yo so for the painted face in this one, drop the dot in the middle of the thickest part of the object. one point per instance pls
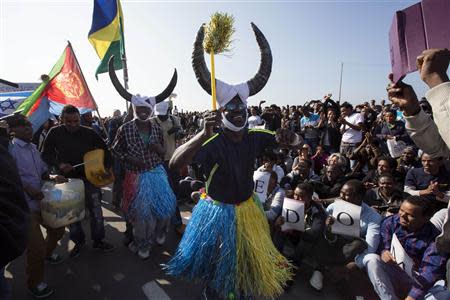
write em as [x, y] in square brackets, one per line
[235, 112]
[71, 121]
[143, 112]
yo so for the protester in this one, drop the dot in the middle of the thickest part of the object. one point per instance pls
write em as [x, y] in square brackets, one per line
[64, 148]
[33, 171]
[415, 233]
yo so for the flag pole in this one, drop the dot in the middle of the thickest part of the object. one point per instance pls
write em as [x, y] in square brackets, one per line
[340, 81]
[124, 58]
[87, 87]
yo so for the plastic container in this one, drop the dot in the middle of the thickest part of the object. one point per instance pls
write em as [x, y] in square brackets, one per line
[63, 203]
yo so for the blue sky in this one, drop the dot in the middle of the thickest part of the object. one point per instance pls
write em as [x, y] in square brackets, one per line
[309, 40]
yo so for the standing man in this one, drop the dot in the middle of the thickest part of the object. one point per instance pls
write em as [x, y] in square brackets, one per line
[33, 171]
[170, 128]
[65, 147]
[351, 129]
[114, 124]
[309, 127]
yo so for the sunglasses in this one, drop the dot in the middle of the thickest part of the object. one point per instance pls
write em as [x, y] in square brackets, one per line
[234, 106]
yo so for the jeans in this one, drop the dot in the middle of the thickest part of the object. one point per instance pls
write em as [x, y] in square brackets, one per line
[391, 282]
[93, 198]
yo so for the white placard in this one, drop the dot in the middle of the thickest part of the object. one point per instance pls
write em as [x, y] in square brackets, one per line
[293, 214]
[346, 218]
[261, 180]
[401, 257]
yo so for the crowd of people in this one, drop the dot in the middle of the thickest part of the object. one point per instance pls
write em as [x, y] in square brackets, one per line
[388, 158]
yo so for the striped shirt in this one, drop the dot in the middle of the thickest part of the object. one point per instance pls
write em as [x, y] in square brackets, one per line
[421, 247]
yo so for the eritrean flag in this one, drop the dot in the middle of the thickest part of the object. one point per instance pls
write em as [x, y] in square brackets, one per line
[106, 34]
[64, 85]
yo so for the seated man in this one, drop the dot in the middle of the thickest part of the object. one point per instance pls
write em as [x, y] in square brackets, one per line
[275, 197]
[344, 253]
[304, 241]
[331, 182]
[270, 164]
[385, 164]
[408, 161]
[431, 181]
[416, 234]
[386, 197]
[301, 173]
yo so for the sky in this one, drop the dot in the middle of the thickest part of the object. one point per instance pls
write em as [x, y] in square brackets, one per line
[309, 41]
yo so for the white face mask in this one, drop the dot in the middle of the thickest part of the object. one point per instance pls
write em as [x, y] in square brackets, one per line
[231, 126]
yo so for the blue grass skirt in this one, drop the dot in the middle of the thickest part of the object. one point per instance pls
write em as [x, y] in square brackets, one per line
[154, 196]
[229, 248]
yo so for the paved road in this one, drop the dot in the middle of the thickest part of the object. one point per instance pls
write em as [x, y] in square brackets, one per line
[122, 275]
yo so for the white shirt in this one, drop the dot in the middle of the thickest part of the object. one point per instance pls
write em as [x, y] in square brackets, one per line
[351, 135]
[254, 121]
[277, 169]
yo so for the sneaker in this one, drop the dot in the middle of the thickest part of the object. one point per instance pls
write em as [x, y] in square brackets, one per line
[77, 249]
[132, 247]
[54, 259]
[144, 254]
[104, 246]
[41, 291]
[161, 239]
[316, 280]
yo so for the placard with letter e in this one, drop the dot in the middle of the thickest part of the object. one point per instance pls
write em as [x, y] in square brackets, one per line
[294, 215]
[401, 257]
[261, 180]
[346, 218]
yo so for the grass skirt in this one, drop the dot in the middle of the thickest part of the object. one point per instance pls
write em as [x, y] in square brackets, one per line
[153, 196]
[229, 247]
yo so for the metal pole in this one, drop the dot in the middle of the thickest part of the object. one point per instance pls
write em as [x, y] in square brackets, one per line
[340, 81]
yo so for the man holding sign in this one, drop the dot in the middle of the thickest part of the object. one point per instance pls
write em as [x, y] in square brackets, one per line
[406, 238]
[302, 222]
[352, 234]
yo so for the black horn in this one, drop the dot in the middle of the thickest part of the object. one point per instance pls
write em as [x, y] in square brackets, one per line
[115, 81]
[198, 62]
[265, 67]
[169, 89]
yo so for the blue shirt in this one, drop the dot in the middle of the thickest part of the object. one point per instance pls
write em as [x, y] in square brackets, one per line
[30, 166]
[312, 120]
[421, 247]
[369, 223]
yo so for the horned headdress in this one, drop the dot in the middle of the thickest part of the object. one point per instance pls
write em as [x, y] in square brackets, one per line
[137, 99]
[226, 92]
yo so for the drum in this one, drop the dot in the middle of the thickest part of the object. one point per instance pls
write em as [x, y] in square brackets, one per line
[63, 203]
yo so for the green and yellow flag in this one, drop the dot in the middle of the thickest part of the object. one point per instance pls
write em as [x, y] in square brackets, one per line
[106, 34]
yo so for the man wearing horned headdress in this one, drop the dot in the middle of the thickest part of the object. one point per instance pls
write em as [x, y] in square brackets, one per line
[227, 243]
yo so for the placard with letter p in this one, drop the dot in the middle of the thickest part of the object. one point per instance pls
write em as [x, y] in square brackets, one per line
[261, 180]
[346, 218]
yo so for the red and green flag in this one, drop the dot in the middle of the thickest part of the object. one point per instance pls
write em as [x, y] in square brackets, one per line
[64, 85]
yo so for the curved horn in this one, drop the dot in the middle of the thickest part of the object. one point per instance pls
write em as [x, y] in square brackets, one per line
[169, 89]
[198, 62]
[115, 81]
[265, 66]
